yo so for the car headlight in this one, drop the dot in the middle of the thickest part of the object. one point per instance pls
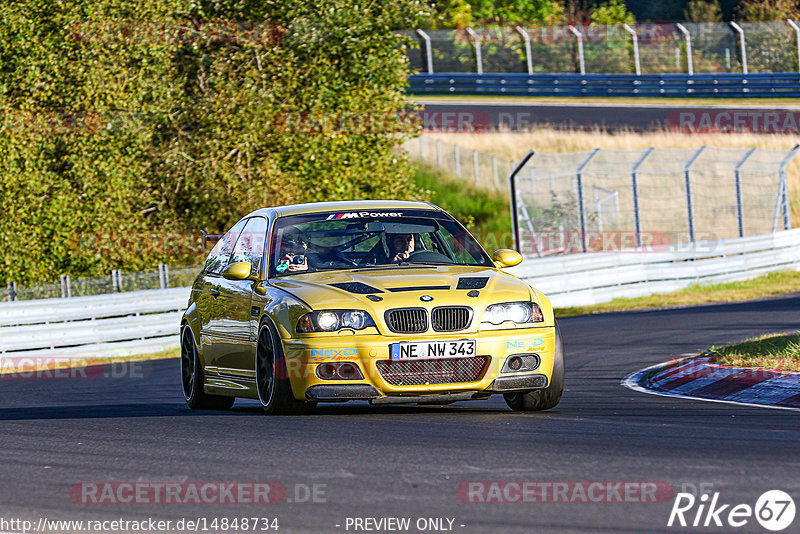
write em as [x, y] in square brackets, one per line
[332, 320]
[516, 312]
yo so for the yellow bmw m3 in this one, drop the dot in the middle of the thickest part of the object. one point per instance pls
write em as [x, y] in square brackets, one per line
[380, 301]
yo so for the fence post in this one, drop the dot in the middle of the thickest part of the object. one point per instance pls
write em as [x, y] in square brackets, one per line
[579, 37]
[635, 39]
[687, 169]
[439, 153]
[494, 170]
[478, 57]
[12, 291]
[512, 194]
[475, 165]
[457, 153]
[428, 54]
[162, 279]
[66, 290]
[637, 221]
[742, 46]
[528, 53]
[738, 179]
[796, 29]
[422, 148]
[581, 207]
[688, 37]
[115, 281]
[787, 214]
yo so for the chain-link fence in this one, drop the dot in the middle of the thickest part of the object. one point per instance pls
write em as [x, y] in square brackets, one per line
[471, 166]
[118, 281]
[647, 48]
[617, 199]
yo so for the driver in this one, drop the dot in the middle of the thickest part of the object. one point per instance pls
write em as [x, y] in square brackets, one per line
[402, 246]
[293, 254]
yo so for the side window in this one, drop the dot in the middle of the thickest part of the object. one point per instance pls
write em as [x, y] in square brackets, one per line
[218, 259]
[250, 246]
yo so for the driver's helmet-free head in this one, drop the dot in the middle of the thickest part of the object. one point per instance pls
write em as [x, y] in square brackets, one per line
[400, 242]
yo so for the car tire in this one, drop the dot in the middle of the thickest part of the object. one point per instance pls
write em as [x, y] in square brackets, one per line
[272, 380]
[546, 398]
[192, 378]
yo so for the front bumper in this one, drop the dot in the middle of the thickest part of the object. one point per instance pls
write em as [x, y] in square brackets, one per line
[303, 355]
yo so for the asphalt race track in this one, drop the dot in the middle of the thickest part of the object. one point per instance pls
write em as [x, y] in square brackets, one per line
[625, 115]
[408, 461]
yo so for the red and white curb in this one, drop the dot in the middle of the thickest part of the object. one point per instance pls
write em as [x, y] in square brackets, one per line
[698, 378]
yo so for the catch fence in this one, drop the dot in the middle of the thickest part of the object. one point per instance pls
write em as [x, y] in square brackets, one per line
[605, 199]
[646, 48]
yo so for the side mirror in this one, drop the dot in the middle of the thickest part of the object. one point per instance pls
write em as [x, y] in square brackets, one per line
[238, 271]
[505, 257]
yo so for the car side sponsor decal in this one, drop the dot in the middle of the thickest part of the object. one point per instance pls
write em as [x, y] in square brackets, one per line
[323, 355]
[524, 344]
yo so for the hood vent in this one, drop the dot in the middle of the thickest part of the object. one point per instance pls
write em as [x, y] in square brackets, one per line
[478, 282]
[416, 288]
[356, 287]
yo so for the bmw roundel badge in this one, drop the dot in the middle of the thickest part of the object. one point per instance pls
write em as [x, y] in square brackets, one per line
[426, 298]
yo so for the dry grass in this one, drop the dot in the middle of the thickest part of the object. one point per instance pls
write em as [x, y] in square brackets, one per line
[772, 351]
[771, 284]
[514, 145]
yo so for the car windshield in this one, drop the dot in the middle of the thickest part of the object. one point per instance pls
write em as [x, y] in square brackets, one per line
[351, 240]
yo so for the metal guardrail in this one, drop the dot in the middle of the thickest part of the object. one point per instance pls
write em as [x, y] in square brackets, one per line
[100, 325]
[584, 279]
[782, 84]
[148, 321]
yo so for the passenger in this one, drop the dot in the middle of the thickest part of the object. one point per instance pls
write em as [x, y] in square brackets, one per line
[293, 256]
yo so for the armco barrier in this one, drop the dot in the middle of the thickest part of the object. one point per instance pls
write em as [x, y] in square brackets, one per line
[101, 325]
[778, 84]
[583, 279]
[148, 321]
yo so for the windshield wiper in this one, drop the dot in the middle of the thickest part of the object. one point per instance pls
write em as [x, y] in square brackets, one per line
[404, 265]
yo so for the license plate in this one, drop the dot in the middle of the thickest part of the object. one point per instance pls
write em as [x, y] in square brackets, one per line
[427, 350]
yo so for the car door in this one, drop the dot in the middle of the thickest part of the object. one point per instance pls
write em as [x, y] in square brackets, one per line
[207, 300]
[234, 353]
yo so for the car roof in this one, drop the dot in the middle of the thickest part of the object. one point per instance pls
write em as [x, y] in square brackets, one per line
[349, 205]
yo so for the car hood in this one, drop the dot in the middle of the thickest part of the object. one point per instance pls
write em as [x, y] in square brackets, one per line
[404, 286]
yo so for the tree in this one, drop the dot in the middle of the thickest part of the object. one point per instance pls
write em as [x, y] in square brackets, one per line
[767, 10]
[124, 122]
[703, 11]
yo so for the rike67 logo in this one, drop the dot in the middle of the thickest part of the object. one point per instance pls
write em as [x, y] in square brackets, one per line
[774, 510]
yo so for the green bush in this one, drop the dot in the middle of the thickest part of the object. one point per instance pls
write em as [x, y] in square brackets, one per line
[126, 121]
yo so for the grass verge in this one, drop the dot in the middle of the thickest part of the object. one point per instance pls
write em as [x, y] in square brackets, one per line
[771, 284]
[25, 366]
[771, 351]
